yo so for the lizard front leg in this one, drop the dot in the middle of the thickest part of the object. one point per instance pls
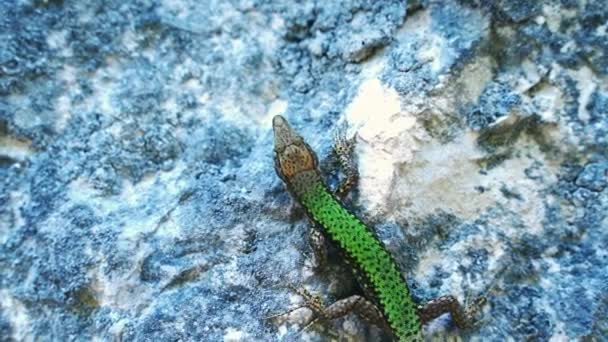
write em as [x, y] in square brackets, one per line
[344, 150]
[318, 246]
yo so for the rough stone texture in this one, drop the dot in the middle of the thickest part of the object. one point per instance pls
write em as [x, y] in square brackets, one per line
[138, 198]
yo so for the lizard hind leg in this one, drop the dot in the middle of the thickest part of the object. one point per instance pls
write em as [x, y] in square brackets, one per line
[318, 246]
[356, 304]
[311, 302]
[344, 149]
[464, 317]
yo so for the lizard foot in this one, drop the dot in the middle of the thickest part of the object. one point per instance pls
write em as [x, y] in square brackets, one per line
[312, 302]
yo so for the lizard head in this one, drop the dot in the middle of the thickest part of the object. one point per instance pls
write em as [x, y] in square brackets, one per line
[291, 154]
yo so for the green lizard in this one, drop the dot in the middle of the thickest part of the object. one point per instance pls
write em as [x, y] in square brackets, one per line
[387, 301]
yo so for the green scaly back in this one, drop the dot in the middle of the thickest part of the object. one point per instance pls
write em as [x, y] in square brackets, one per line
[296, 164]
[360, 245]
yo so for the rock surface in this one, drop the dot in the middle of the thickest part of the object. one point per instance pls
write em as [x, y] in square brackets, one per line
[138, 199]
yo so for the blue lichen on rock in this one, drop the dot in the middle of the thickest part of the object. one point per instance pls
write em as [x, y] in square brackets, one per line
[138, 199]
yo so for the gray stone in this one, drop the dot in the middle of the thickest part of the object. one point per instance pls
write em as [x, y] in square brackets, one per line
[138, 199]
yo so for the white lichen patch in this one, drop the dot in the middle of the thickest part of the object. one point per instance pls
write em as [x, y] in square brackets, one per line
[385, 137]
[553, 15]
[435, 46]
[24, 117]
[136, 196]
[418, 22]
[461, 285]
[586, 84]
[17, 315]
[601, 30]
[373, 66]
[116, 330]
[447, 177]
[437, 177]
[471, 81]
[63, 106]
[130, 40]
[15, 149]
[234, 335]
[103, 82]
[17, 199]
[122, 290]
[531, 206]
[431, 52]
[532, 73]
[229, 274]
[276, 107]
[57, 40]
[234, 238]
[560, 330]
[548, 101]
[405, 173]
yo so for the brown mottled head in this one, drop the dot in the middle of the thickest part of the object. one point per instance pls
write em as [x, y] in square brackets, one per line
[291, 154]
